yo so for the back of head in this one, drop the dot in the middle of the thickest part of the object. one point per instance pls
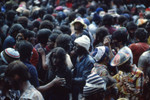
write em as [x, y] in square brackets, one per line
[144, 61]
[10, 15]
[48, 17]
[43, 35]
[14, 30]
[107, 20]
[25, 49]
[101, 33]
[65, 29]
[120, 36]
[46, 24]
[121, 19]
[23, 21]
[131, 26]
[63, 40]
[18, 68]
[141, 34]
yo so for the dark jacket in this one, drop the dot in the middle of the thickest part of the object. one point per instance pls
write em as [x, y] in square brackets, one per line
[82, 70]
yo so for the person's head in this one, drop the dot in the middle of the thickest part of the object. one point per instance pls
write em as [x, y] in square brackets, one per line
[101, 54]
[57, 31]
[78, 24]
[65, 29]
[96, 18]
[25, 49]
[64, 41]
[107, 20]
[42, 12]
[82, 45]
[2, 19]
[14, 30]
[31, 37]
[144, 61]
[119, 38]
[94, 88]
[17, 73]
[121, 20]
[46, 24]
[43, 35]
[82, 11]
[10, 15]
[58, 58]
[48, 17]
[23, 21]
[51, 40]
[131, 27]
[141, 35]
[9, 55]
[101, 32]
[22, 35]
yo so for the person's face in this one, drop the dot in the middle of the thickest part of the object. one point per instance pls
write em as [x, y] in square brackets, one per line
[19, 37]
[78, 49]
[78, 26]
[55, 60]
[15, 82]
[50, 44]
[69, 46]
[32, 40]
[124, 67]
[131, 32]
[115, 45]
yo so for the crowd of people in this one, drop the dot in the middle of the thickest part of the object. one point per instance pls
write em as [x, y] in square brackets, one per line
[74, 50]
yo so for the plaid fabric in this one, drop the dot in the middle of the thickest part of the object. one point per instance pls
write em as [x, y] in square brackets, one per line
[135, 80]
[100, 69]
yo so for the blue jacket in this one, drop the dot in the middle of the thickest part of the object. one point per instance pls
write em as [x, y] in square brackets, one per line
[82, 70]
[33, 72]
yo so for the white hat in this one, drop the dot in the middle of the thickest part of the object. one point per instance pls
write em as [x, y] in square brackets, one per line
[80, 20]
[83, 41]
[8, 55]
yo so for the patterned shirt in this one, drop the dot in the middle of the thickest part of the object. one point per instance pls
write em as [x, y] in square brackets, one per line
[100, 69]
[31, 93]
[134, 79]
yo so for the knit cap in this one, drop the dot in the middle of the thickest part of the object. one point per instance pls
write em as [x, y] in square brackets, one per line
[8, 55]
[83, 41]
[94, 84]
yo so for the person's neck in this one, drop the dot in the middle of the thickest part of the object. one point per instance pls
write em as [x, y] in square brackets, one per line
[25, 85]
[78, 32]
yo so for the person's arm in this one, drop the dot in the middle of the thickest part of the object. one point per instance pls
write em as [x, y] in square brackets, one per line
[56, 81]
[85, 73]
[106, 42]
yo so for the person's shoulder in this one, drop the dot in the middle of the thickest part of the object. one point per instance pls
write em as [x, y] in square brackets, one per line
[31, 94]
[90, 58]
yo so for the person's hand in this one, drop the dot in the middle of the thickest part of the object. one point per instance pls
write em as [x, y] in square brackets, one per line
[129, 87]
[41, 51]
[106, 41]
[59, 81]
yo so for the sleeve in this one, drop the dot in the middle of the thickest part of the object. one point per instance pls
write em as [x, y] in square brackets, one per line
[34, 77]
[139, 84]
[35, 57]
[85, 73]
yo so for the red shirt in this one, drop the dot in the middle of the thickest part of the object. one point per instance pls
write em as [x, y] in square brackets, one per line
[137, 50]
